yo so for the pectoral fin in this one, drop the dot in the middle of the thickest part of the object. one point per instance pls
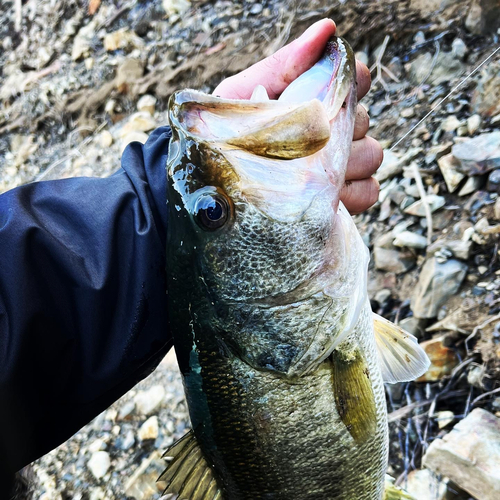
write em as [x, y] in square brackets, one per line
[401, 358]
[188, 474]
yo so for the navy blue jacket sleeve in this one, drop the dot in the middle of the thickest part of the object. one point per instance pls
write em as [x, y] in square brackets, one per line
[82, 298]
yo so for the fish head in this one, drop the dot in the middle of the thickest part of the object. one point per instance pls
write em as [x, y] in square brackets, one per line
[255, 219]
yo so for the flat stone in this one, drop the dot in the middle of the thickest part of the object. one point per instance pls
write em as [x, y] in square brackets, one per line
[452, 177]
[470, 455]
[436, 284]
[446, 68]
[478, 155]
[392, 260]
[434, 201]
[443, 360]
[445, 418]
[99, 464]
[149, 401]
[122, 39]
[450, 123]
[126, 411]
[415, 326]
[149, 429]
[410, 240]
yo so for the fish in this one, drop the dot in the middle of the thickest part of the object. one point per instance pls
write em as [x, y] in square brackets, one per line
[283, 361]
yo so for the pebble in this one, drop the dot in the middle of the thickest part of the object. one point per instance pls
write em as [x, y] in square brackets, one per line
[493, 185]
[141, 137]
[450, 123]
[149, 401]
[445, 418]
[473, 123]
[141, 121]
[470, 455]
[497, 209]
[126, 410]
[147, 103]
[436, 284]
[99, 464]
[472, 184]
[149, 429]
[105, 139]
[422, 484]
[256, 9]
[459, 49]
[448, 166]
[97, 445]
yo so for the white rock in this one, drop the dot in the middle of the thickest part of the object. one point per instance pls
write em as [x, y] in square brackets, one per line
[450, 123]
[444, 418]
[424, 485]
[472, 184]
[149, 401]
[391, 166]
[147, 103]
[448, 166]
[459, 48]
[97, 445]
[473, 123]
[99, 464]
[434, 201]
[410, 240]
[149, 429]
[470, 455]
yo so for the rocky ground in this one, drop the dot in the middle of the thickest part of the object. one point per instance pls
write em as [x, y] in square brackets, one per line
[80, 80]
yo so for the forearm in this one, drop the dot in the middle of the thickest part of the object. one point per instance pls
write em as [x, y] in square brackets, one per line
[82, 298]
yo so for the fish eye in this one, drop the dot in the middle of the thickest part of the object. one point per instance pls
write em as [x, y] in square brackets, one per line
[211, 211]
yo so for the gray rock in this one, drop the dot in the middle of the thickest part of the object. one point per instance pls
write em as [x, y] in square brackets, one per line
[126, 410]
[127, 441]
[447, 67]
[460, 249]
[256, 9]
[478, 155]
[483, 17]
[436, 284]
[494, 182]
[392, 260]
[149, 401]
[470, 455]
[486, 97]
[99, 464]
[415, 326]
[382, 295]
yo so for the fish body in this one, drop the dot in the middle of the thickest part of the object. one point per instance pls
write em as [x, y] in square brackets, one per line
[268, 304]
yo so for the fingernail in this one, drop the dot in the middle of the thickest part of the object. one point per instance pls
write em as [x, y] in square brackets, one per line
[313, 31]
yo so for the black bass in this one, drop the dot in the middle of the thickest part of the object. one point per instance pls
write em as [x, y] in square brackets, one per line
[268, 304]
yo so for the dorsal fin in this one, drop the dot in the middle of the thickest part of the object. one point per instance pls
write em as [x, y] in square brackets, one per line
[188, 474]
[401, 358]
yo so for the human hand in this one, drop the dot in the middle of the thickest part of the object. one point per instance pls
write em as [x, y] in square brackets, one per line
[276, 72]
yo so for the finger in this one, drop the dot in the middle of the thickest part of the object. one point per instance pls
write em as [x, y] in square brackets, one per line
[358, 196]
[277, 71]
[363, 79]
[366, 157]
[361, 123]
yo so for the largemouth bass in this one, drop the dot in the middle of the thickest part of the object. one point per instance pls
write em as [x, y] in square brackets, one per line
[267, 283]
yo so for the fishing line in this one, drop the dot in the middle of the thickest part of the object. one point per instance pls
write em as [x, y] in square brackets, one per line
[452, 91]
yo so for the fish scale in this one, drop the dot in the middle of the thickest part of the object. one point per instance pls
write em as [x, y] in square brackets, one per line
[267, 297]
